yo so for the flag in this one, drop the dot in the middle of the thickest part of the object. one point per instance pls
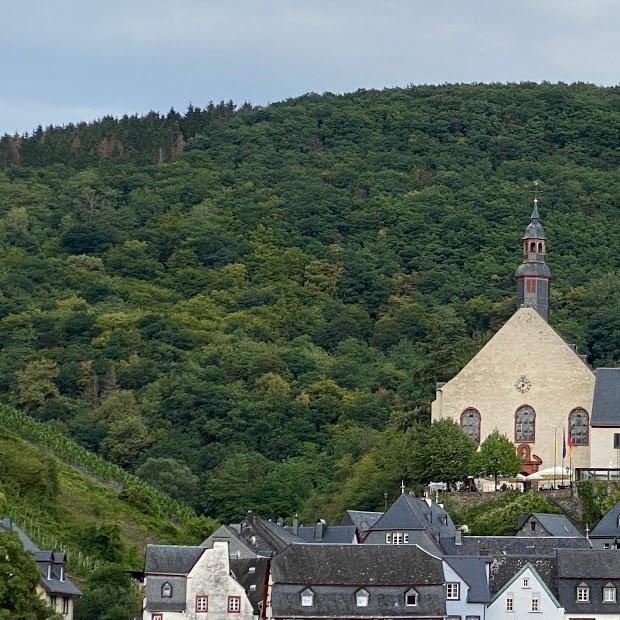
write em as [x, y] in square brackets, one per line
[563, 444]
[570, 446]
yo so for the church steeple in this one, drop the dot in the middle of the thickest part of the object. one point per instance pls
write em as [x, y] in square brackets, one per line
[533, 275]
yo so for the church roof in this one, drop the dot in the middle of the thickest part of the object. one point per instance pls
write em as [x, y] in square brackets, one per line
[608, 526]
[532, 268]
[605, 407]
[534, 229]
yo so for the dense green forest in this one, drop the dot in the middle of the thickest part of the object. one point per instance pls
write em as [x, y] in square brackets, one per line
[266, 296]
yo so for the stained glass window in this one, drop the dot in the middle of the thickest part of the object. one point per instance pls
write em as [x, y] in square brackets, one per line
[525, 424]
[578, 427]
[470, 423]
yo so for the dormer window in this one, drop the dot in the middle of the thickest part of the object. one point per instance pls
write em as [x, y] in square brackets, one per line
[361, 598]
[453, 591]
[618, 521]
[609, 593]
[49, 571]
[583, 593]
[252, 570]
[307, 598]
[166, 590]
[411, 598]
[62, 573]
[396, 538]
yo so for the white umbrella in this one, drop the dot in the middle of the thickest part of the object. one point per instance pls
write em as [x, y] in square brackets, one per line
[550, 473]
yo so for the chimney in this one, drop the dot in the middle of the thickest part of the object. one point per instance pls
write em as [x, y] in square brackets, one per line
[295, 528]
[458, 538]
[280, 521]
[319, 529]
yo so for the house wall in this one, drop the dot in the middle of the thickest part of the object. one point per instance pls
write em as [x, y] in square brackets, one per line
[559, 382]
[604, 454]
[461, 607]
[58, 607]
[211, 576]
[522, 601]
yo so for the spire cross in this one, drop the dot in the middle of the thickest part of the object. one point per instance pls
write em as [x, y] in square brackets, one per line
[536, 191]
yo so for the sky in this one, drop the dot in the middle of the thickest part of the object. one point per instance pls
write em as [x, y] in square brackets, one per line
[66, 61]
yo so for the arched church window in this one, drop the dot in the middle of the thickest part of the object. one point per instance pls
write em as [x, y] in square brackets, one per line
[533, 246]
[166, 590]
[579, 427]
[525, 424]
[540, 248]
[470, 423]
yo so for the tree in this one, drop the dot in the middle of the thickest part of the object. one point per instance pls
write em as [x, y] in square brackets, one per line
[497, 457]
[35, 382]
[171, 477]
[19, 577]
[440, 452]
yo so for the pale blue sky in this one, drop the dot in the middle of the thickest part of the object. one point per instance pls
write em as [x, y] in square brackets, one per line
[72, 60]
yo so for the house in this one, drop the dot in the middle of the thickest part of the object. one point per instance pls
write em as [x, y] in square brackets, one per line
[523, 587]
[413, 520]
[357, 581]
[55, 587]
[467, 586]
[544, 524]
[182, 582]
[606, 534]
[588, 582]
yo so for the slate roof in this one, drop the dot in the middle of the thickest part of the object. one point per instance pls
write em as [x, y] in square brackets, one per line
[362, 519]
[607, 527]
[237, 545]
[331, 534]
[588, 564]
[534, 229]
[361, 565]
[504, 568]
[414, 513]
[55, 586]
[555, 525]
[606, 403]
[534, 268]
[472, 570]
[515, 545]
[7, 524]
[241, 570]
[154, 600]
[171, 559]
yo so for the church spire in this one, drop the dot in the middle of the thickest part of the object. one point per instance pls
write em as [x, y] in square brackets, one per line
[533, 275]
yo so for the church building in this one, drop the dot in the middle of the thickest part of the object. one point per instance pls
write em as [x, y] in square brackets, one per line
[532, 386]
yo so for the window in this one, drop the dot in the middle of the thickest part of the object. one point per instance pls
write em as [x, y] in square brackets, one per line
[53, 602]
[472, 617]
[252, 570]
[583, 593]
[65, 605]
[361, 598]
[202, 602]
[453, 591]
[411, 598]
[609, 593]
[532, 525]
[526, 582]
[62, 573]
[535, 606]
[307, 598]
[166, 590]
[525, 420]
[388, 538]
[396, 538]
[234, 604]
[510, 602]
[49, 571]
[578, 427]
[606, 545]
[157, 616]
[531, 285]
[470, 424]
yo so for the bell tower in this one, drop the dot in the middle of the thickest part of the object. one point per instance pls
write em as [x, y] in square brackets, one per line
[533, 275]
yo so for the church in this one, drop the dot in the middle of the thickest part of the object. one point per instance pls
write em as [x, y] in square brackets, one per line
[532, 386]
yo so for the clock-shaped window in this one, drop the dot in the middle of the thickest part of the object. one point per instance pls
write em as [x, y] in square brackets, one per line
[470, 423]
[525, 424]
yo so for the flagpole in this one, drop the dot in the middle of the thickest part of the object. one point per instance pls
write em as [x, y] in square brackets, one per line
[555, 454]
[563, 454]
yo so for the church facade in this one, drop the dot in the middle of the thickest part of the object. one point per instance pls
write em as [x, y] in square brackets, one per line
[532, 386]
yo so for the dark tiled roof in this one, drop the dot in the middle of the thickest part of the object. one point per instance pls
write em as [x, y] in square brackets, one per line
[154, 600]
[328, 534]
[534, 229]
[557, 525]
[171, 559]
[7, 524]
[55, 586]
[362, 519]
[515, 545]
[472, 571]
[607, 527]
[606, 404]
[504, 568]
[589, 564]
[414, 513]
[356, 565]
[242, 571]
[237, 546]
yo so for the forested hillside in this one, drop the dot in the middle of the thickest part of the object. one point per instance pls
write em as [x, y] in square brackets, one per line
[267, 296]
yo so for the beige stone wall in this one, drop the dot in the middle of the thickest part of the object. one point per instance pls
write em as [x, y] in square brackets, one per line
[525, 346]
[604, 454]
